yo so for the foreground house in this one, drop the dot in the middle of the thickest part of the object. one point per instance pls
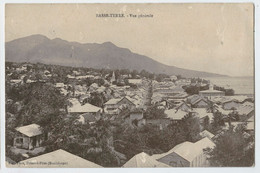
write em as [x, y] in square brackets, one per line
[187, 154]
[29, 137]
[143, 160]
[58, 159]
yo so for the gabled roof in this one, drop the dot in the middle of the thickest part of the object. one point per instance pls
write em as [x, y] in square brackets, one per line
[135, 81]
[175, 114]
[206, 133]
[143, 160]
[66, 160]
[86, 108]
[244, 109]
[182, 149]
[202, 112]
[223, 111]
[116, 101]
[112, 101]
[194, 98]
[223, 99]
[231, 100]
[198, 100]
[30, 130]
[187, 150]
[183, 103]
[250, 125]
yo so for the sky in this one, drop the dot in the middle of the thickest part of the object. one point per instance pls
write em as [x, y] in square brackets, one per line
[215, 38]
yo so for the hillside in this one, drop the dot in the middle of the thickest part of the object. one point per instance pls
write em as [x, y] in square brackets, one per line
[38, 48]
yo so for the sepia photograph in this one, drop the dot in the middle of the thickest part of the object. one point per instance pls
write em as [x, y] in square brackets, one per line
[123, 85]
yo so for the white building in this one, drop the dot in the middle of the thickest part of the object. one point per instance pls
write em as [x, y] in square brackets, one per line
[58, 159]
[143, 160]
[187, 154]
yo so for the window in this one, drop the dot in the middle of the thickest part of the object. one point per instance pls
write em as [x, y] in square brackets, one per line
[19, 140]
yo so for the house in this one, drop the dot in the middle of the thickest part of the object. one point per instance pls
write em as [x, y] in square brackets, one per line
[202, 113]
[113, 106]
[16, 81]
[187, 154]
[57, 159]
[87, 113]
[85, 77]
[29, 137]
[59, 85]
[211, 92]
[184, 107]
[143, 160]
[182, 82]
[136, 118]
[245, 112]
[173, 77]
[70, 76]
[136, 114]
[175, 114]
[197, 101]
[229, 104]
[206, 133]
[221, 110]
[180, 96]
[250, 127]
[93, 87]
[135, 81]
[200, 103]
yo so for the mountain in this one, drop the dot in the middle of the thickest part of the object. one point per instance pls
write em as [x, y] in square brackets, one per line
[38, 48]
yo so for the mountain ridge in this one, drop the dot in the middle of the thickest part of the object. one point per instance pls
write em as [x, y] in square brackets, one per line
[39, 48]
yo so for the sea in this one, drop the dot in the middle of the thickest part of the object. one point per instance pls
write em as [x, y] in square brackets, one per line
[241, 85]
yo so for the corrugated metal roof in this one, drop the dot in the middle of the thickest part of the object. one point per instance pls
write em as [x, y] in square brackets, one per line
[188, 150]
[143, 160]
[61, 156]
[30, 130]
[83, 108]
[175, 114]
[112, 101]
[206, 133]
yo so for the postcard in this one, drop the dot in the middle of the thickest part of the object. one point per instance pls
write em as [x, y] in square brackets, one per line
[129, 85]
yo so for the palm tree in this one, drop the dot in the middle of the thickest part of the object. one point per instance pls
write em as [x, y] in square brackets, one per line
[231, 116]
[211, 107]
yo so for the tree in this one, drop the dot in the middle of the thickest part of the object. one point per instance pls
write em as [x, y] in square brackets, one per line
[232, 150]
[211, 107]
[232, 116]
[97, 99]
[84, 140]
[190, 125]
[153, 112]
[40, 103]
[218, 121]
